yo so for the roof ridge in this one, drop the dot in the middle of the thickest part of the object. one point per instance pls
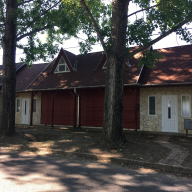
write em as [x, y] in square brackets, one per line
[179, 46]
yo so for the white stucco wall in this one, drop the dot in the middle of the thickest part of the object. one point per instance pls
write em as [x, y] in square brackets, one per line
[154, 123]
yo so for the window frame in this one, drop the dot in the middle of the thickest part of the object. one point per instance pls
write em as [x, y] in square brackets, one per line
[35, 106]
[62, 64]
[182, 105]
[105, 67]
[149, 106]
[19, 105]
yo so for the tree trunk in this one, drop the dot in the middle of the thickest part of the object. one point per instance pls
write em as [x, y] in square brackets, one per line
[113, 107]
[7, 118]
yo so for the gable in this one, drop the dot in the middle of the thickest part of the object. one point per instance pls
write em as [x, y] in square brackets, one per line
[62, 63]
[62, 66]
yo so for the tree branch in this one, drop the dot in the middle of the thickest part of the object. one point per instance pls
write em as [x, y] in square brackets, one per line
[32, 32]
[50, 8]
[143, 10]
[22, 3]
[94, 24]
[159, 38]
[2, 12]
[39, 16]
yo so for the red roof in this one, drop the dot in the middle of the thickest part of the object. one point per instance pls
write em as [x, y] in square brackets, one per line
[175, 67]
[18, 67]
[87, 73]
[27, 75]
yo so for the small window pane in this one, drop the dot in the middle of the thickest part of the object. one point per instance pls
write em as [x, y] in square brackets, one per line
[34, 105]
[67, 68]
[152, 105]
[18, 106]
[25, 107]
[105, 65]
[61, 67]
[57, 69]
[186, 111]
[62, 61]
[169, 108]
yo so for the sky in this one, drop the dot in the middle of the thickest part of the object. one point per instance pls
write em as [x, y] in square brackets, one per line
[73, 46]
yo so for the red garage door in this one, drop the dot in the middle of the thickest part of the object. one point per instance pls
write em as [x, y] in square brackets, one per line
[62, 107]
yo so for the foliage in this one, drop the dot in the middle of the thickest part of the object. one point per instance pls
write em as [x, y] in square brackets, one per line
[149, 58]
[160, 16]
[57, 20]
[60, 19]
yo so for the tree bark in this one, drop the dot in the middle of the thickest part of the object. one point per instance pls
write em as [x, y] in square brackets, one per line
[113, 107]
[7, 117]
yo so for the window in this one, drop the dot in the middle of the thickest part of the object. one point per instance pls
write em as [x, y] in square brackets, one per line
[34, 105]
[18, 105]
[62, 66]
[186, 106]
[169, 108]
[105, 65]
[152, 105]
[128, 63]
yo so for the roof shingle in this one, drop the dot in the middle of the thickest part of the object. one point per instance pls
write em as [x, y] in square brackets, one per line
[27, 75]
[86, 75]
[174, 67]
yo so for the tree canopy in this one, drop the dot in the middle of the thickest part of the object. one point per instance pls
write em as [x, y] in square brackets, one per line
[56, 19]
[163, 16]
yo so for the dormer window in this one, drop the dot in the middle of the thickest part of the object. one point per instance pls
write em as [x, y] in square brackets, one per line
[128, 63]
[62, 66]
[105, 65]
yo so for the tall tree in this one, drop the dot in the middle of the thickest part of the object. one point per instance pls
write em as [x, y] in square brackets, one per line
[167, 16]
[8, 81]
[21, 19]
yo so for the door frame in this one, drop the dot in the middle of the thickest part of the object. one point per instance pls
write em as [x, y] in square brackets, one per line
[176, 113]
[27, 112]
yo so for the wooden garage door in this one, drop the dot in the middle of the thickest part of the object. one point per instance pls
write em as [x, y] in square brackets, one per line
[130, 108]
[92, 107]
[63, 107]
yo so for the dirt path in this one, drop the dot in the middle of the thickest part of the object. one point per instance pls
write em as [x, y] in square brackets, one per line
[177, 154]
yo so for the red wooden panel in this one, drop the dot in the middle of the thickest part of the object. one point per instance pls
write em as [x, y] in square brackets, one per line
[92, 107]
[46, 109]
[129, 108]
[63, 108]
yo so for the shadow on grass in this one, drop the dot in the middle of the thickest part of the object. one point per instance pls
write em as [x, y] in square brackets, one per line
[53, 140]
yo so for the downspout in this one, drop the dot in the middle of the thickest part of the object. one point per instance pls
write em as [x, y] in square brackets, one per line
[77, 107]
[31, 115]
[136, 109]
[52, 111]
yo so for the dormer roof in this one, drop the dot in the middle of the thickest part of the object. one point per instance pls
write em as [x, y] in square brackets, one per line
[68, 57]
